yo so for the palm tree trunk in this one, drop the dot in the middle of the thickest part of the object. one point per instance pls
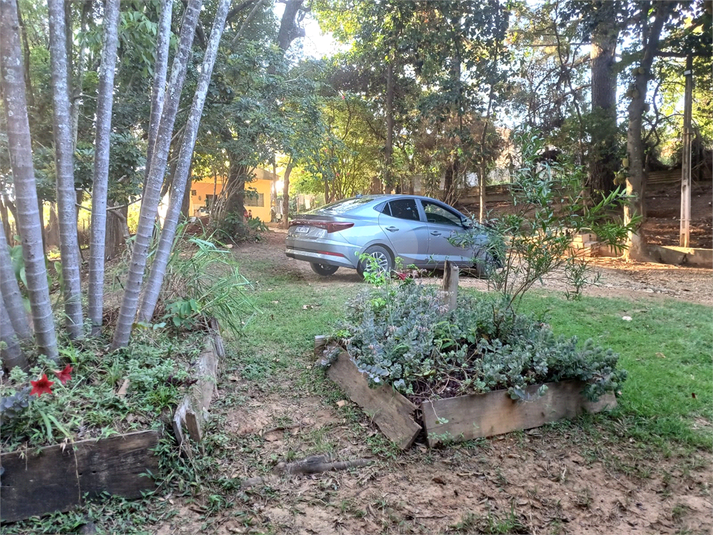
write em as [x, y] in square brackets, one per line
[152, 189]
[20, 149]
[158, 92]
[100, 187]
[64, 159]
[11, 355]
[180, 177]
[10, 292]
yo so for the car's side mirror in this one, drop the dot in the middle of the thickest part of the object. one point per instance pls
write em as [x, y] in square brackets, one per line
[465, 222]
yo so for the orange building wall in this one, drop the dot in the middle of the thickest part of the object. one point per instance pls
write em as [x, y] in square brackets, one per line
[203, 189]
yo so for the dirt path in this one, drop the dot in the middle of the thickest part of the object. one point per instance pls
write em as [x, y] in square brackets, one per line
[617, 277]
[565, 479]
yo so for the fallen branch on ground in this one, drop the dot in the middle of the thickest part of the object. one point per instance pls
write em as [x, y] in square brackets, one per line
[315, 464]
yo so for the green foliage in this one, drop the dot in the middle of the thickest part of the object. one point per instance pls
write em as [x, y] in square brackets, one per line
[204, 280]
[405, 336]
[88, 406]
[550, 208]
[183, 313]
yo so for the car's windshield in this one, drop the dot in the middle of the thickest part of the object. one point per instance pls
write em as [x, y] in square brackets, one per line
[343, 206]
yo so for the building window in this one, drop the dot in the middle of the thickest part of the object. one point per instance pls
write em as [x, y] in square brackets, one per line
[254, 199]
[193, 193]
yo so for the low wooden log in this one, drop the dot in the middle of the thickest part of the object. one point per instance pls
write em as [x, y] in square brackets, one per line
[484, 415]
[190, 416]
[390, 411]
[56, 478]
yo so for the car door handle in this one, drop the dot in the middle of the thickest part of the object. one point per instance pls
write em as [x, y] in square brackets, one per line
[392, 229]
[435, 233]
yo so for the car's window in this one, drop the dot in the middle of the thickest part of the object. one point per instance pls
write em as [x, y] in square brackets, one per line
[383, 208]
[403, 209]
[343, 206]
[435, 213]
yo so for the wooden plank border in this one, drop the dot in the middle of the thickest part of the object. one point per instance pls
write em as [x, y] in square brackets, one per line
[389, 410]
[191, 414]
[56, 478]
[495, 413]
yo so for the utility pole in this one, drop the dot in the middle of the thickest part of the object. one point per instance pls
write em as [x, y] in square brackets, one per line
[685, 234]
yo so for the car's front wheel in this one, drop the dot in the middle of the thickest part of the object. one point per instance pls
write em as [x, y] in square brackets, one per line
[325, 270]
[382, 260]
[485, 265]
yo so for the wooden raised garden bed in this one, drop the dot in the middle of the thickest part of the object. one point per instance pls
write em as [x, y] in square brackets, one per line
[388, 409]
[495, 413]
[56, 478]
[460, 418]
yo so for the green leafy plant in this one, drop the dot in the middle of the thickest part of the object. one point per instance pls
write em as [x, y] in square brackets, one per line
[203, 280]
[550, 208]
[404, 335]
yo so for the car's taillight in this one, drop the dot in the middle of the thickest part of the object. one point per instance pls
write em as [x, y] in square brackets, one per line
[329, 226]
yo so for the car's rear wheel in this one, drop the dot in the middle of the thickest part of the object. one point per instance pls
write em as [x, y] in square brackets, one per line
[325, 270]
[382, 257]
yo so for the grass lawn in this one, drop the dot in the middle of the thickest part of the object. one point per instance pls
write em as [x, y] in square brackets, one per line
[655, 444]
[667, 347]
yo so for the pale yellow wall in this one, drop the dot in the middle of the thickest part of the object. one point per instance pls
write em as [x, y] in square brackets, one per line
[201, 189]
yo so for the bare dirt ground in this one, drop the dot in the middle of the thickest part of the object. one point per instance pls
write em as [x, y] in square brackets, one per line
[561, 479]
[617, 278]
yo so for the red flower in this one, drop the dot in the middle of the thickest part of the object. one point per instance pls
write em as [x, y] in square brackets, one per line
[402, 276]
[41, 386]
[64, 376]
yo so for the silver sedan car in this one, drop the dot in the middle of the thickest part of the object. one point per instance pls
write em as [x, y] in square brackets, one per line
[414, 228]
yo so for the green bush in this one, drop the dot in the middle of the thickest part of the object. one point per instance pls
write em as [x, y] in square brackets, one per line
[405, 336]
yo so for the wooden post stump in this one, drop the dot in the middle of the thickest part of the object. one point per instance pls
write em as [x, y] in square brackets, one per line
[191, 412]
[451, 275]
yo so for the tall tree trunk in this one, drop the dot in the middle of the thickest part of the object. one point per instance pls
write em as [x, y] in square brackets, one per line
[154, 181]
[43, 232]
[26, 60]
[389, 149]
[11, 355]
[289, 31]
[286, 194]
[5, 221]
[20, 149]
[64, 161]
[102, 145]
[636, 242]
[78, 86]
[158, 91]
[52, 232]
[235, 186]
[603, 160]
[180, 178]
[10, 292]
[186, 201]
